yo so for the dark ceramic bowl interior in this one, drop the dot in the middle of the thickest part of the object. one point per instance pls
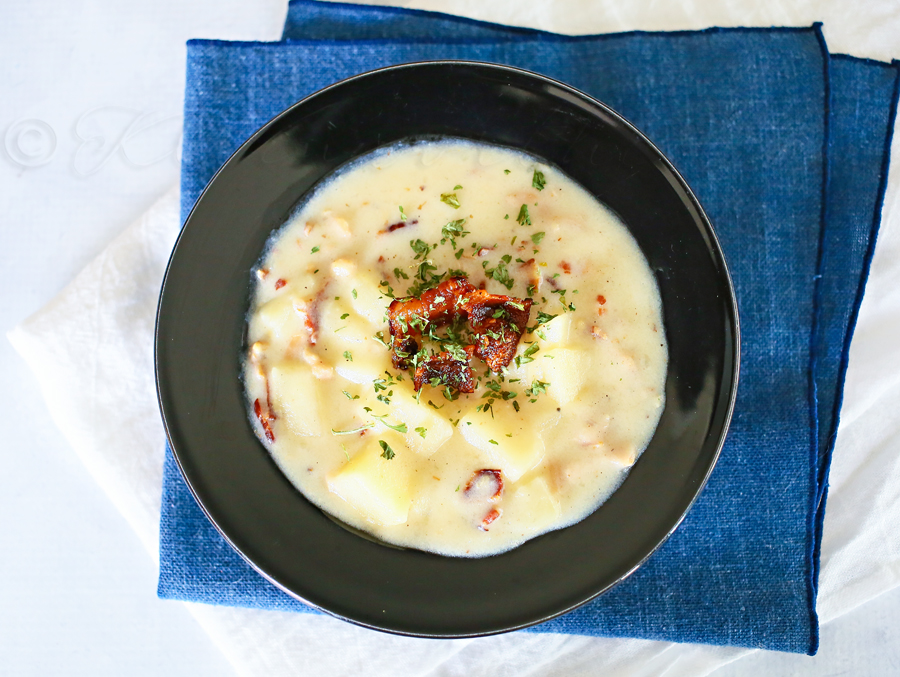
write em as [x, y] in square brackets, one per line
[200, 337]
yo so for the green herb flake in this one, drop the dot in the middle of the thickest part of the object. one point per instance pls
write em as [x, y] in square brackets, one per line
[400, 427]
[314, 250]
[537, 388]
[450, 199]
[348, 356]
[345, 316]
[386, 451]
[538, 181]
[344, 447]
[349, 396]
[506, 171]
[403, 216]
[524, 218]
[422, 431]
[457, 187]
[353, 293]
[494, 442]
[537, 237]
[354, 431]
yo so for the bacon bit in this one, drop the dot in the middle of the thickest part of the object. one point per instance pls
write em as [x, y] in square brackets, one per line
[601, 299]
[598, 333]
[496, 338]
[435, 306]
[279, 283]
[421, 187]
[264, 420]
[490, 517]
[566, 268]
[380, 259]
[451, 371]
[400, 224]
[261, 273]
[484, 251]
[498, 478]
[552, 282]
[534, 274]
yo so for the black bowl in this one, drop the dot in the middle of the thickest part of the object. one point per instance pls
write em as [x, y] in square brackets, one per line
[200, 337]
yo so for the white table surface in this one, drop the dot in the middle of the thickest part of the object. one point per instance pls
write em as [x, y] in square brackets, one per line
[77, 589]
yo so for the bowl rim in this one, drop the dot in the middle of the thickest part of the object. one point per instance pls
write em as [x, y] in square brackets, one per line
[714, 246]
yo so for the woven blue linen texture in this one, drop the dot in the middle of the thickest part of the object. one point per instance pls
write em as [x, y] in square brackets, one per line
[747, 116]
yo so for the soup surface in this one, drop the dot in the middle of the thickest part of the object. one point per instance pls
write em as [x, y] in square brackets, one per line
[425, 271]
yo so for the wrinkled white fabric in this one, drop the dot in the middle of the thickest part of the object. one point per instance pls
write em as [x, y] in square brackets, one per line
[91, 350]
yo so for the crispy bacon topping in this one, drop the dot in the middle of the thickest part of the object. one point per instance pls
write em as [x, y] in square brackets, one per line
[498, 479]
[400, 224]
[265, 419]
[497, 323]
[448, 370]
[490, 517]
[279, 283]
[408, 316]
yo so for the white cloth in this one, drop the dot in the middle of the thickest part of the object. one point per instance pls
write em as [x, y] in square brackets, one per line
[91, 350]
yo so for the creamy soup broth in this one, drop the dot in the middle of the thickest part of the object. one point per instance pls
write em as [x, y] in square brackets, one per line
[536, 447]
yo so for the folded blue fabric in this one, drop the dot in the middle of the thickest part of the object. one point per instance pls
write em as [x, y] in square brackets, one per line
[785, 146]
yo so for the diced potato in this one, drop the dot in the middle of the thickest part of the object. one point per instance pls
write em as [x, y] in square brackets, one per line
[555, 332]
[565, 369]
[369, 301]
[536, 504]
[379, 488]
[295, 396]
[345, 323]
[517, 454]
[365, 367]
[280, 317]
[404, 408]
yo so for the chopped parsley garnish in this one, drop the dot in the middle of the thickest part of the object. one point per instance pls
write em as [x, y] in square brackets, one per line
[506, 171]
[403, 216]
[494, 442]
[544, 318]
[348, 356]
[422, 431]
[537, 388]
[386, 451]
[537, 181]
[499, 273]
[457, 187]
[345, 316]
[314, 250]
[537, 237]
[420, 248]
[353, 293]
[354, 431]
[379, 336]
[349, 396]
[400, 427]
[453, 230]
[450, 199]
[400, 275]
[524, 218]
[528, 355]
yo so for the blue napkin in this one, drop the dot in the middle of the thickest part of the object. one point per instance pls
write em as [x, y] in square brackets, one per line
[787, 149]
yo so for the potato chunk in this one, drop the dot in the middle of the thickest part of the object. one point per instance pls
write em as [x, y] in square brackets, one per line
[564, 369]
[295, 396]
[379, 488]
[537, 505]
[369, 301]
[437, 429]
[512, 441]
[279, 317]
